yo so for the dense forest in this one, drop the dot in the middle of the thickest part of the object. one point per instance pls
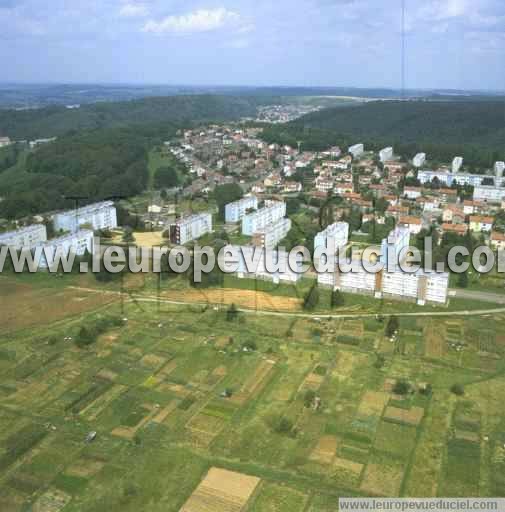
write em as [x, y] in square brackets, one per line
[184, 110]
[101, 150]
[90, 166]
[442, 129]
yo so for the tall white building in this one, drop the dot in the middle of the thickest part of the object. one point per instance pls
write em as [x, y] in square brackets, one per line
[499, 167]
[24, 237]
[97, 216]
[190, 228]
[337, 233]
[456, 164]
[258, 258]
[236, 210]
[253, 222]
[5, 141]
[356, 150]
[271, 235]
[77, 243]
[448, 178]
[419, 160]
[386, 154]
[396, 241]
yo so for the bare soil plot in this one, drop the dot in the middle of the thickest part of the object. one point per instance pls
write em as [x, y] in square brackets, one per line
[325, 449]
[348, 465]
[434, 336]
[249, 299]
[411, 416]
[222, 491]
[152, 361]
[373, 403]
[52, 500]
[148, 238]
[312, 381]
[24, 305]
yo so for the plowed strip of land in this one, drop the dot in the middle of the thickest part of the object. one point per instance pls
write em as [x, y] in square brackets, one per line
[242, 298]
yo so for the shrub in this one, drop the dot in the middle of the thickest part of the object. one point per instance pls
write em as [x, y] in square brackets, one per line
[401, 387]
[458, 389]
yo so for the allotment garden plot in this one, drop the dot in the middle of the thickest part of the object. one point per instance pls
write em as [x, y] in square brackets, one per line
[177, 408]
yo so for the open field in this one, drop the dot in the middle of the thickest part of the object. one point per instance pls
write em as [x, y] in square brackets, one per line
[152, 385]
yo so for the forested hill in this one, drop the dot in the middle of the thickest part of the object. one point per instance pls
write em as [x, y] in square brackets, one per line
[57, 120]
[475, 129]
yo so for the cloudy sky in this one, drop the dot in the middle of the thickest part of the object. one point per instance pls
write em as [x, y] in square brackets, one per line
[457, 44]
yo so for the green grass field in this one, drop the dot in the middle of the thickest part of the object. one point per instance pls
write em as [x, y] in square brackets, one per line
[152, 388]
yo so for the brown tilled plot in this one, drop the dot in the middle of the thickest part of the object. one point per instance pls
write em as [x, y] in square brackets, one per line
[24, 305]
[222, 491]
[249, 299]
[411, 416]
[325, 449]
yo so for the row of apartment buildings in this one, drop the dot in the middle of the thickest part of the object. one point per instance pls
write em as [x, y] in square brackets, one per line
[78, 228]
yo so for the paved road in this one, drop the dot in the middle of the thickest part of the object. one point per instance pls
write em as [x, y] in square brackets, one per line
[477, 295]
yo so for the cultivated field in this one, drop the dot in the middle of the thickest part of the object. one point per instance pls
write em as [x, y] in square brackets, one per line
[193, 412]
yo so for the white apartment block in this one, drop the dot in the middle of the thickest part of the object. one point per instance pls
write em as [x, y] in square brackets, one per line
[456, 164]
[5, 141]
[412, 192]
[257, 266]
[420, 286]
[190, 228]
[24, 237]
[271, 235]
[419, 160]
[77, 243]
[499, 167]
[97, 216]
[396, 241]
[488, 194]
[236, 210]
[356, 150]
[386, 154]
[337, 234]
[447, 178]
[271, 212]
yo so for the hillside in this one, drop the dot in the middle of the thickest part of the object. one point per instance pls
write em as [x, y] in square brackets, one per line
[58, 120]
[475, 129]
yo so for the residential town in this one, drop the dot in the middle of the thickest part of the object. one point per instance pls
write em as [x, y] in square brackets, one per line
[367, 196]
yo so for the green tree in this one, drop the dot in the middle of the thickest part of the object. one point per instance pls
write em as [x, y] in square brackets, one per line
[166, 177]
[224, 194]
[463, 280]
[337, 299]
[392, 326]
[311, 299]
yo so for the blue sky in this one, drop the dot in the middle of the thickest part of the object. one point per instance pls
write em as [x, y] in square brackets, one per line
[457, 44]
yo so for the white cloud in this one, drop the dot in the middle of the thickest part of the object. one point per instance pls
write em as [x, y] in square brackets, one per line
[202, 20]
[131, 10]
